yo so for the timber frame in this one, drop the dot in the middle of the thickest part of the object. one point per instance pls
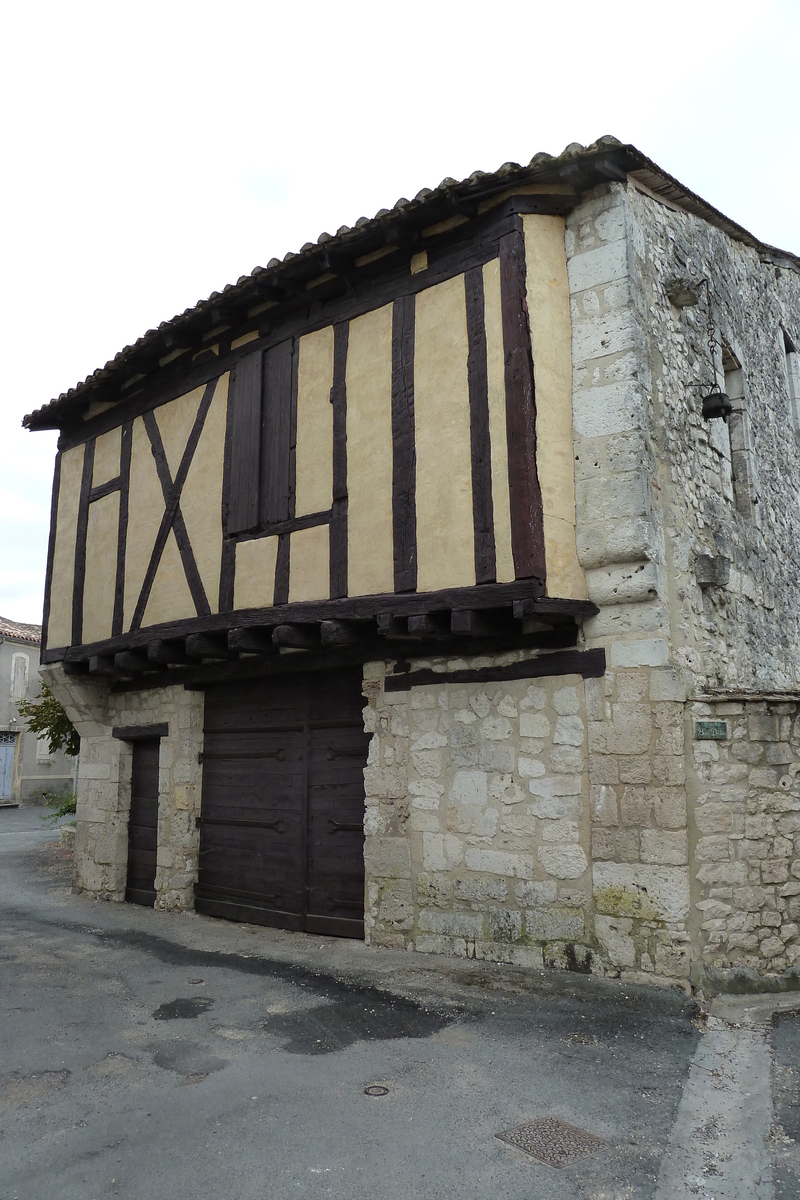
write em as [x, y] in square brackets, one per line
[464, 619]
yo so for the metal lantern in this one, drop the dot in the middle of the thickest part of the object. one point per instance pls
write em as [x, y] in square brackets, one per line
[716, 404]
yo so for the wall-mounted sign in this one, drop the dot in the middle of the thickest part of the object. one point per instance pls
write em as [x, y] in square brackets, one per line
[711, 731]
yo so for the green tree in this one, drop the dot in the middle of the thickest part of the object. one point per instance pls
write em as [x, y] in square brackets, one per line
[47, 718]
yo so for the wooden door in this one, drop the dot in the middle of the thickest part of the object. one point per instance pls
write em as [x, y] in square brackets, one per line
[282, 839]
[8, 742]
[143, 823]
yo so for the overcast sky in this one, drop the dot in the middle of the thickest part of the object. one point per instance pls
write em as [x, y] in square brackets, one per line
[154, 152]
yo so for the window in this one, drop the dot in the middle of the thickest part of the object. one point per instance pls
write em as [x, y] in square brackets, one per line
[20, 665]
[793, 379]
[743, 480]
[43, 754]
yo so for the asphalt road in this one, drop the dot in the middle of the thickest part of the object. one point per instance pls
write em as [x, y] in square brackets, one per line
[158, 1057]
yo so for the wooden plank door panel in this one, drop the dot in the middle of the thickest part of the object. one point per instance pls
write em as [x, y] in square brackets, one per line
[281, 839]
[143, 824]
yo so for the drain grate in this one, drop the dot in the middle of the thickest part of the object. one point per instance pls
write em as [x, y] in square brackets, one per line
[553, 1142]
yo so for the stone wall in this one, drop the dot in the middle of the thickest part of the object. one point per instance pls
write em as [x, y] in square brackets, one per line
[104, 779]
[745, 835]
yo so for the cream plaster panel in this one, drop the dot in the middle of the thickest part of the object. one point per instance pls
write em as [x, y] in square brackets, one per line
[101, 560]
[314, 454]
[369, 454]
[244, 339]
[59, 628]
[309, 564]
[254, 585]
[175, 421]
[445, 539]
[495, 363]
[145, 510]
[106, 456]
[170, 598]
[551, 344]
[201, 498]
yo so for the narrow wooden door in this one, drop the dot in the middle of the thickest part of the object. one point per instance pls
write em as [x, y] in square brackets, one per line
[282, 840]
[143, 823]
[8, 742]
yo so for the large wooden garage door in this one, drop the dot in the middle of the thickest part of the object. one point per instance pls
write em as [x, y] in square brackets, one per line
[282, 816]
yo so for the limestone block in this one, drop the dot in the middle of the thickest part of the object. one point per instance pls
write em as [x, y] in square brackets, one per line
[560, 831]
[534, 724]
[667, 684]
[568, 760]
[563, 862]
[713, 909]
[636, 768]
[636, 806]
[641, 652]
[748, 899]
[639, 890]
[441, 852]
[425, 793]
[614, 934]
[713, 849]
[431, 740]
[421, 822]
[669, 768]
[465, 716]
[434, 889]
[604, 769]
[546, 924]
[603, 801]
[496, 729]
[761, 777]
[771, 946]
[723, 873]
[504, 789]
[565, 701]
[427, 763]
[556, 808]
[397, 903]
[497, 756]
[763, 727]
[513, 955]
[569, 731]
[505, 925]
[472, 819]
[480, 704]
[388, 857]
[603, 844]
[556, 785]
[595, 700]
[669, 807]
[451, 924]
[422, 698]
[427, 943]
[479, 889]
[387, 783]
[609, 408]
[499, 862]
[775, 870]
[664, 846]
[534, 895]
[604, 264]
[535, 698]
[469, 787]
[672, 961]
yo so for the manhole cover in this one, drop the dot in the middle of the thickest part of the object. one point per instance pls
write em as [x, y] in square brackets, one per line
[376, 1089]
[553, 1141]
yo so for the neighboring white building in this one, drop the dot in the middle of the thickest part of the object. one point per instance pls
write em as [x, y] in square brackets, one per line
[27, 768]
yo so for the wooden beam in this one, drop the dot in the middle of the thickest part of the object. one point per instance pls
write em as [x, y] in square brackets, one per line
[480, 442]
[590, 664]
[251, 641]
[300, 637]
[208, 645]
[435, 625]
[482, 622]
[133, 661]
[392, 627]
[342, 633]
[99, 664]
[167, 650]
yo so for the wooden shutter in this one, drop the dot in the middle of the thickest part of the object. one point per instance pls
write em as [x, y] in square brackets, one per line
[279, 396]
[245, 442]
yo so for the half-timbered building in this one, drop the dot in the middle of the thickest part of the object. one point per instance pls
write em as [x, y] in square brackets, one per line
[386, 586]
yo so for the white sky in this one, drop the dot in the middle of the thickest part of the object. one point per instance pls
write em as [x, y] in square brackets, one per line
[154, 152]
